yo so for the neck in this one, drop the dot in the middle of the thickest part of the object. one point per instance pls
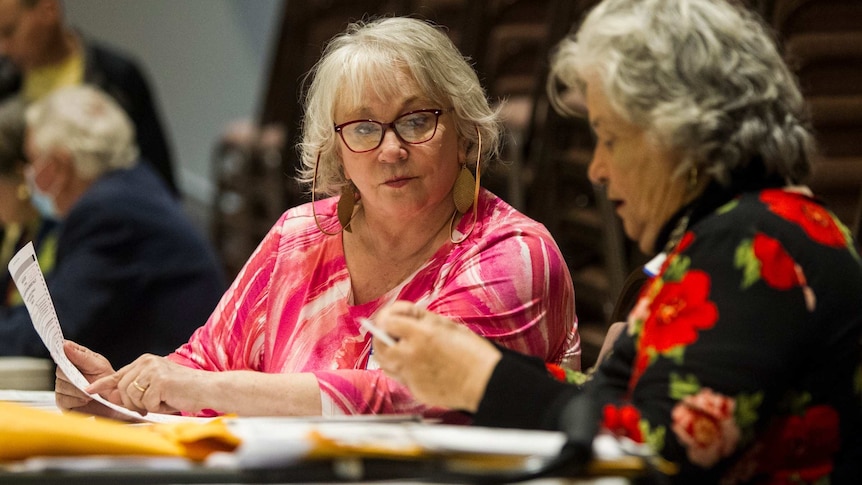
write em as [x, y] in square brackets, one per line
[63, 44]
[675, 206]
[419, 237]
[65, 199]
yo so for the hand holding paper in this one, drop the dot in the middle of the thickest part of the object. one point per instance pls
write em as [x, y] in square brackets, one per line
[93, 366]
[28, 277]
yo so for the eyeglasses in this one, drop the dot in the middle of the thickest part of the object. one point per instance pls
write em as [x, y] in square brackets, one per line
[415, 127]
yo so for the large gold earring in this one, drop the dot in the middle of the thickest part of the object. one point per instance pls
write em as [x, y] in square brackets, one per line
[461, 193]
[351, 199]
[346, 203]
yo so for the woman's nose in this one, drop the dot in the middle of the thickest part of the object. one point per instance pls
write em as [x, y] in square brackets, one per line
[597, 170]
[391, 148]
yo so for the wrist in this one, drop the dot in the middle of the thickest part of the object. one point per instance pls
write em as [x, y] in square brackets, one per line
[478, 377]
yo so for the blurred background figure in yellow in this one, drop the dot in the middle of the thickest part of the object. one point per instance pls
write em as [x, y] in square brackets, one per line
[20, 221]
[41, 53]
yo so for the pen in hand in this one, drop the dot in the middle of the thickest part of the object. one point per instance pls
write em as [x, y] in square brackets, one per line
[376, 332]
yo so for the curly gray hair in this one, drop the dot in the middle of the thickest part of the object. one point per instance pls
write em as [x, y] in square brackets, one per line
[364, 56]
[700, 76]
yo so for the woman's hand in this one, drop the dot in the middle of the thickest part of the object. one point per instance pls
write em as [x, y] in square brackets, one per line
[155, 384]
[441, 362]
[93, 366]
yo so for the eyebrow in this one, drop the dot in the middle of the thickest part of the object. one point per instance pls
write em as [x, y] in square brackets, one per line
[406, 105]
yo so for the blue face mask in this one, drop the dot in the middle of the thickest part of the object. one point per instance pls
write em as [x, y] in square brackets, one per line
[45, 205]
[42, 201]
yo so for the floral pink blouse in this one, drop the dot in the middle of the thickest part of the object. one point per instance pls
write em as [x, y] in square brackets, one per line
[289, 309]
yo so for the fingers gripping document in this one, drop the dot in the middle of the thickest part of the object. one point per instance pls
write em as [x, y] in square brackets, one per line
[28, 277]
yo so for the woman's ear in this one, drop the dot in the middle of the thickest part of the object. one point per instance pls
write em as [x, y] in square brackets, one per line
[64, 164]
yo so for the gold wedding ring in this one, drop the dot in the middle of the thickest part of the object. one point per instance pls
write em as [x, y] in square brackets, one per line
[138, 387]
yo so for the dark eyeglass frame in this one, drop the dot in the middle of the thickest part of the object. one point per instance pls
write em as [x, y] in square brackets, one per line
[391, 125]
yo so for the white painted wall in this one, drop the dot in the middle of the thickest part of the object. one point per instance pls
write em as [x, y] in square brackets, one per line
[207, 62]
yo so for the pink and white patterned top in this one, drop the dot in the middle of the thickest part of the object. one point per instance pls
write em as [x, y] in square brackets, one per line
[289, 309]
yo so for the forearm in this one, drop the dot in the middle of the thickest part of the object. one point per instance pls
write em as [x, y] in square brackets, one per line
[250, 393]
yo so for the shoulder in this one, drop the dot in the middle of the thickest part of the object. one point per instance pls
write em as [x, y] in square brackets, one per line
[782, 238]
[126, 195]
[108, 57]
[499, 220]
[792, 216]
[114, 71]
[137, 182]
[504, 239]
[300, 227]
[307, 217]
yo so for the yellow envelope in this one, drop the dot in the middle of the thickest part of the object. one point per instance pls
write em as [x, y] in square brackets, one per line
[27, 432]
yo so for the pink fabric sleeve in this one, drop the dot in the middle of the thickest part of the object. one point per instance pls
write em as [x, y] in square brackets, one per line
[232, 338]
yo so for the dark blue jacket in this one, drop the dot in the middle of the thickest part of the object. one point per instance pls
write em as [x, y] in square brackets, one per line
[132, 274]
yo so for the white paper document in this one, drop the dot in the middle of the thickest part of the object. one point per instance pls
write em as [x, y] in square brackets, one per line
[272, 442]
[28, 277]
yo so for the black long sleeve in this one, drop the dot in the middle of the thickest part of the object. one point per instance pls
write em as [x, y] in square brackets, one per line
[522, 394]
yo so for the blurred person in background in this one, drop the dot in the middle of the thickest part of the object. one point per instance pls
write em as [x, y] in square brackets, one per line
[20, 221]
[43, 53]
[132, 274]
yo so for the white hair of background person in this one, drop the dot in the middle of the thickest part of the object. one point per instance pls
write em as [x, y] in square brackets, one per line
[87, 123]
[700, 76]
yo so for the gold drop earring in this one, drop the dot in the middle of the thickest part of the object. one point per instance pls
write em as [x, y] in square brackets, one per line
[345, 206]
[461, 193]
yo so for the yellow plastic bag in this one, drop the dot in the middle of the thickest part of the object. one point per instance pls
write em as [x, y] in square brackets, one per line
[27, 432]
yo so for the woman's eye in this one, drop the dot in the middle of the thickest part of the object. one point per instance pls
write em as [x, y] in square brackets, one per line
[606, 143]
[417, 121]
[365, 129]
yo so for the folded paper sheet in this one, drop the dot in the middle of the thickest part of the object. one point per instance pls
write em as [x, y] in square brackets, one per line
[27, 432]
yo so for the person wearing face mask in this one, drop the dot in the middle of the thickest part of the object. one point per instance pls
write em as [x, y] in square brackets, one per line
[20, 219]
[132, 274]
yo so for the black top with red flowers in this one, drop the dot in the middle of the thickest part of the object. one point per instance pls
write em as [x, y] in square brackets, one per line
[741, 362]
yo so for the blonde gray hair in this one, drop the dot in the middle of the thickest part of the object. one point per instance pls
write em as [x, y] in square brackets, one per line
[87, 123]
[700, 76]
[364, 56]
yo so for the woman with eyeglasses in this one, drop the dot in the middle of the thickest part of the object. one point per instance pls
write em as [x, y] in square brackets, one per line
[396, 123]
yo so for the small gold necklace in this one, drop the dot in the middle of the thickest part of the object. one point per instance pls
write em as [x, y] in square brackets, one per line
[677, 233]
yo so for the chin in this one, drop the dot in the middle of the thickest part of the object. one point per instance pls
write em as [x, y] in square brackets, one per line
[647, 247]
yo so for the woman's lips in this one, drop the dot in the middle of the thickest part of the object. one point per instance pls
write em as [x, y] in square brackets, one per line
[398, 182]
